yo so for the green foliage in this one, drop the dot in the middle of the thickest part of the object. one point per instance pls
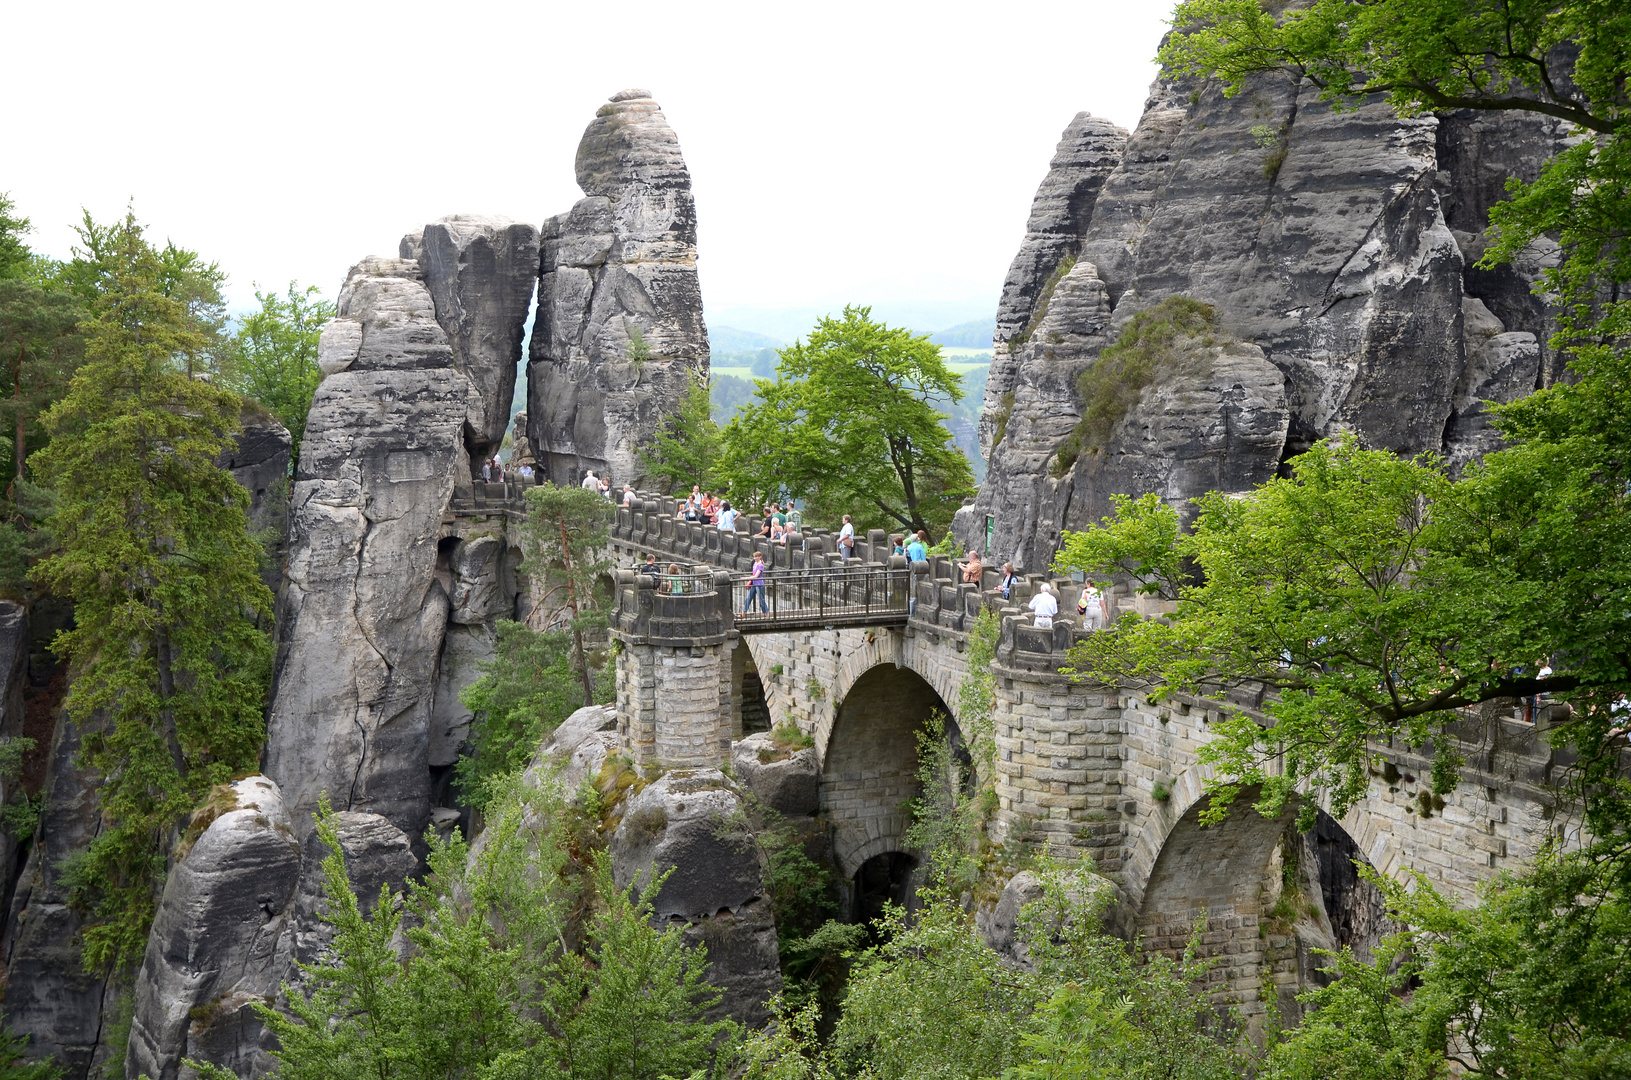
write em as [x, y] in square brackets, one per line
[850, 424]
[686, 450]
[933, 999]
[1525, 984]
[26, 537]
[1175, 336]
[14, 253]
[171, 665]
[485, 989]
[523, 694]
[1360, 588]
[564, 540]
[20, 815]
[12, 1046]
[273, 359]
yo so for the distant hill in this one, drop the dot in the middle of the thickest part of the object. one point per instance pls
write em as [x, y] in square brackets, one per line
[969, 335]
[730, 339]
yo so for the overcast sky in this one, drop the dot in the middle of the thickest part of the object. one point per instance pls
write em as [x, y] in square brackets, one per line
[872, 152]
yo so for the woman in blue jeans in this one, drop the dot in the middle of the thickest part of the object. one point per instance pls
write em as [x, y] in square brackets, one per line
[756, 585]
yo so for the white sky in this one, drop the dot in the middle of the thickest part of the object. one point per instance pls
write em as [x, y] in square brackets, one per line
[870, 152]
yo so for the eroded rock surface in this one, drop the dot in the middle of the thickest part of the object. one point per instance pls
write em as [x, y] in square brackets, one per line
[209, 955]
[619, 336]
[481, 272]
[789, 784]
[690, 820]
[366, 599]
[1320, 238]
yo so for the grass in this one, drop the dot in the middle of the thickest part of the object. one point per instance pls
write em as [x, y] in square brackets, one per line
[1174, 337]
[785, 741]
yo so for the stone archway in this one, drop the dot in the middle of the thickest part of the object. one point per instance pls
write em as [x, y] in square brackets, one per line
[869, 768]
[1268, 894]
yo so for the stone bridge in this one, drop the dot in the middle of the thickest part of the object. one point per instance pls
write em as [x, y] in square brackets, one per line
[1080, 769]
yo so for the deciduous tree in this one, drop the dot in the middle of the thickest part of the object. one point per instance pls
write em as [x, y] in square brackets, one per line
[273, 358]
[851, 424]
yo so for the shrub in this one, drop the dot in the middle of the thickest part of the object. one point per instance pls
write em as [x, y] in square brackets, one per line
[1175, 336]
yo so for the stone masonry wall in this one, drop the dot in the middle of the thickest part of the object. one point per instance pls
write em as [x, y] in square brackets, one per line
[673, 704]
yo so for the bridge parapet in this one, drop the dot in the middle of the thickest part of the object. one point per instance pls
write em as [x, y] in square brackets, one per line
[674, 610]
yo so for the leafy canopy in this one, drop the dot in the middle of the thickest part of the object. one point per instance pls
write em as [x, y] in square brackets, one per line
[686, 450]
[171, 659]
[563, 538]
[851, 424]
[486, 988]
[273, 358]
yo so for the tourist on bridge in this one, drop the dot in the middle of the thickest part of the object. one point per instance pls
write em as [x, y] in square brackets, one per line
[727, 518]
[628, 495]
[1091, 607]
[1044, 606]
[1009, 579]
[778, 531]
[591, 482]
[846, 540]
[973, 569]
[674, 584]
[756, 585]
[897, 544]
[651, 569]
[918, 549]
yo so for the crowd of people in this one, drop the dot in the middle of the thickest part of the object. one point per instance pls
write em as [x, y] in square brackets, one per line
[777, 523]
[494, 471]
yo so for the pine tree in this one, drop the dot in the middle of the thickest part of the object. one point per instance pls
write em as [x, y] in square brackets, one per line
[171, 669]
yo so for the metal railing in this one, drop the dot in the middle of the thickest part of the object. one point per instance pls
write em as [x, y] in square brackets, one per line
[869, 594]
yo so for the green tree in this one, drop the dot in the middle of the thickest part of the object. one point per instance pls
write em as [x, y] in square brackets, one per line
[154, 552]
[14, 253]
[523, 694]
[564, 540]
[486, 988]
[273, 358]
[40, 346]
[686, 450]
[1526, 984]
[851, 424]
[12, 1049]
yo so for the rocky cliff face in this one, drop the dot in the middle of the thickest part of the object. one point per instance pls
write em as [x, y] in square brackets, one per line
[1324, 241]
[364, 607]
[619, 336]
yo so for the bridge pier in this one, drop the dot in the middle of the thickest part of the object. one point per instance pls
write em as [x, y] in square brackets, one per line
[674, 671]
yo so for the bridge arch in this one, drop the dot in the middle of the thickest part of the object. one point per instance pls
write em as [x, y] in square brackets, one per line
[869, 762]
[1269, 894]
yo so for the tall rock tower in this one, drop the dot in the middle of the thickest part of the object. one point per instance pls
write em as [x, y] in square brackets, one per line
[619, 336]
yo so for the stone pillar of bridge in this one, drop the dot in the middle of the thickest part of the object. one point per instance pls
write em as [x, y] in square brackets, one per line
[674, 670]
[1059, 749]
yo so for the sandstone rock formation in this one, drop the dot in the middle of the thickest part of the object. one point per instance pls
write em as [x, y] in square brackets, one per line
[690, 822]
[619, 336]
[481, 272]
[365, 605]
[787, 783]
[1322, 240]
[225, 905]
[1089, 150]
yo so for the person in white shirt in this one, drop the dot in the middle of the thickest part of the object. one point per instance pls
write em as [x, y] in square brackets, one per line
[591, 482]
[846, 540]
[1091, 607]
[1045, 606]
[628, 495]
[727, 518]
